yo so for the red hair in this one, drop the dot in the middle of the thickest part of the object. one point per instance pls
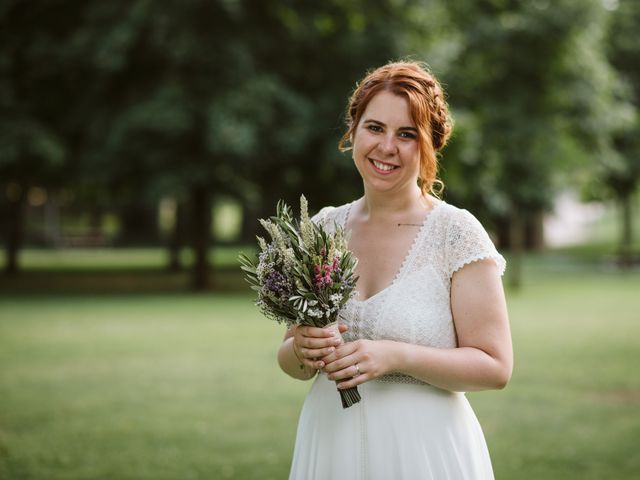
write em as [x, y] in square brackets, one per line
[429, 111]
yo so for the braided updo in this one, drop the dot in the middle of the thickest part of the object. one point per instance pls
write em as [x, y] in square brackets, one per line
[427, 105]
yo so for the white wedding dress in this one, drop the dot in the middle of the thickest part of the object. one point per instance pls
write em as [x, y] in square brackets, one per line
[402, 428]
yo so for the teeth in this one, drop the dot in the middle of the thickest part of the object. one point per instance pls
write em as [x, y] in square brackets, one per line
[383, 166]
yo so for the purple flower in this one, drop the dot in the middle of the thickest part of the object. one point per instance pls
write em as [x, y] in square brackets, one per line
[276, 283]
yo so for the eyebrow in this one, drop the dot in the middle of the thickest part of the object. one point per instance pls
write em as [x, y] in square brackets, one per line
[370, 120]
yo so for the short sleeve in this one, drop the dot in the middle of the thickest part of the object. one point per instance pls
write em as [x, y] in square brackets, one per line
[467, 242]
[323, 217]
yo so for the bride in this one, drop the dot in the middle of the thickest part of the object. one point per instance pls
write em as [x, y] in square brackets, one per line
[429, 321]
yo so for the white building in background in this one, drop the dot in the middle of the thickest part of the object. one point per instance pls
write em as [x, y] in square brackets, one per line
[572, 221]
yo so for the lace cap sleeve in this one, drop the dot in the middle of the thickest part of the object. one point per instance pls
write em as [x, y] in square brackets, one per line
[468, 241]
[323, 217]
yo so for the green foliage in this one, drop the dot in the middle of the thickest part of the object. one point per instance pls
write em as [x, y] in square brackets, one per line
[512, 83]
[32, 93]
[621, 173]
[177, 95]
[125, 103]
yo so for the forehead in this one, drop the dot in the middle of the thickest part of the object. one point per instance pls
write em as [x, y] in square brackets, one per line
[390, 109]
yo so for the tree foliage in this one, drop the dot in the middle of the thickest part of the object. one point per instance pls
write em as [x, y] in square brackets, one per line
[514, 81]
[621, 174]
[146, 99]
[129, 102]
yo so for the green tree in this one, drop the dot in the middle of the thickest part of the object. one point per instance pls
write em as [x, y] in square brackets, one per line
[603, 110]
[34, 88]
[321, 50]
[511, 79]
[621, 174]
[236, 98]
[176, 64]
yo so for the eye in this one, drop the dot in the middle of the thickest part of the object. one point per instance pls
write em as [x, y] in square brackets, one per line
[374, 128]
[409, 135]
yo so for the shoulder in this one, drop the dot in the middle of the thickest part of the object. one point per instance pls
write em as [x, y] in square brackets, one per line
[465, 238]
[458, 219]
[330, 214]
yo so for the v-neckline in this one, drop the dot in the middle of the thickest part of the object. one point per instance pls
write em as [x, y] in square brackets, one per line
[408, 255]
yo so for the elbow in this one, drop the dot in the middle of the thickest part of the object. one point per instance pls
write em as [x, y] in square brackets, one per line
[500, 384]
[503, 375]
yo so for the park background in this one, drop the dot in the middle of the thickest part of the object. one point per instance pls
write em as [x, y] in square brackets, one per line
[141, 140]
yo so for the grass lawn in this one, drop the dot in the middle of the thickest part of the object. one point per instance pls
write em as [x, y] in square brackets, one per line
[126, 270]
[178, 386]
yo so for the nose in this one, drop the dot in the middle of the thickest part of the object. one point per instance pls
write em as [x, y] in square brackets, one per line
[388, 145]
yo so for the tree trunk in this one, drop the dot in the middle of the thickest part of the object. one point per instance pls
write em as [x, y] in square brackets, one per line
[250, 224]
[15, 225]
[503, 231]
[534, 232]
[626, 239]
[139, 224]
[177, 239]
[53, 234]
[95, 221]
[201, 228]
[516, 240]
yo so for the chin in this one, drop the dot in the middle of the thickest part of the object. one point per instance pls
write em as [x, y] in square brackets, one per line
[384, 187]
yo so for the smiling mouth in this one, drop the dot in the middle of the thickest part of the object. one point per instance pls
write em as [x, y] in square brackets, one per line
[385, 167]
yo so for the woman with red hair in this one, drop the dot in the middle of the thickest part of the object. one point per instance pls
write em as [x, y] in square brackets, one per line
[429, 321]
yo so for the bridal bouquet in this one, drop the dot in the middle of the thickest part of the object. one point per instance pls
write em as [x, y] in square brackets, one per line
[304, 275]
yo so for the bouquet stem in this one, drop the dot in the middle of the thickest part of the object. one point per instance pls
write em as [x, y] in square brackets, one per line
[349, 396]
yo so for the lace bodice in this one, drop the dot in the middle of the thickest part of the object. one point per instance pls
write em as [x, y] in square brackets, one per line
[415, 307]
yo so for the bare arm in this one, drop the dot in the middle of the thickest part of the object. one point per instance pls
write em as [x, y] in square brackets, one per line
[483, 359]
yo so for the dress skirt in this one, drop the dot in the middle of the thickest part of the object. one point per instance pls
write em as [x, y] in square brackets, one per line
[398, 431]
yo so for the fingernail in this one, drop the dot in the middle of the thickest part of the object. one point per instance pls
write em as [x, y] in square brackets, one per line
[340, 386]
[320, 364]
[331, 349]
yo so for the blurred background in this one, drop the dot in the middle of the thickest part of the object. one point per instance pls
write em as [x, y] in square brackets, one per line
[141, 140]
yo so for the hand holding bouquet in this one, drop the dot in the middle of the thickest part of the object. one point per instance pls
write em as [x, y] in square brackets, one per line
[304, 275]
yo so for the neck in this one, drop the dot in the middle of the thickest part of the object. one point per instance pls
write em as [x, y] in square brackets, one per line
[385, 205]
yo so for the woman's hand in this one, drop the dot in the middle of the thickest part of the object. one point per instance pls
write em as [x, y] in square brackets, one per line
[354, 363]
[311, 344]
